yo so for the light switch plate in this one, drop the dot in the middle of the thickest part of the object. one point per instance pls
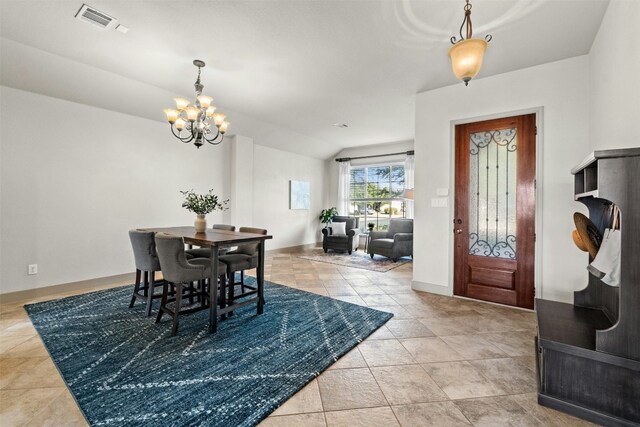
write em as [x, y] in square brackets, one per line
[442, 192]
[439, 202]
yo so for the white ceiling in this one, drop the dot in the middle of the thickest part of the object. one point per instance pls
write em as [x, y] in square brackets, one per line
[302, 64]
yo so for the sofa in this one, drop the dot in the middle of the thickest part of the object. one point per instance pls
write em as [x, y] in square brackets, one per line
[393, 243]
[347, 243]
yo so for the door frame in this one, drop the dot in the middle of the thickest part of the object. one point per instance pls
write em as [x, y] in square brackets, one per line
[538, 244]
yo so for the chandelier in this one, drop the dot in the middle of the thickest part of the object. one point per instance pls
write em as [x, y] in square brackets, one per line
[199, 120]
[466, 54]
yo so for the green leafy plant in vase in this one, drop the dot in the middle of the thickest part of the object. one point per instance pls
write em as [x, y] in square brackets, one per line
[201, 205]
[326, 216]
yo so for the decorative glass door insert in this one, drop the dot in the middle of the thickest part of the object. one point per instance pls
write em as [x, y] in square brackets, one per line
[492, 193]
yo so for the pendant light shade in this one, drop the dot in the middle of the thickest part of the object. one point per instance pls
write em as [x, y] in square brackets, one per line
[466, 58]
[467, 53]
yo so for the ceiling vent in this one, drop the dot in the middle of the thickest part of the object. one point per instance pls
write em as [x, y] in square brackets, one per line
[97, 18]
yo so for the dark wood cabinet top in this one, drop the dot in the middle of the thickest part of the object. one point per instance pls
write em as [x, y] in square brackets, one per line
[606, 154]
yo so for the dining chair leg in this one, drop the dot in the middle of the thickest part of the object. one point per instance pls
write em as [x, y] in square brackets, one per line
[222, 301]
[136, 289]
[146, 284]
[191, 290]
[176, 309]
[232, 285]
[242, 281]
[201, 291]
[163, 301]
[152, 286]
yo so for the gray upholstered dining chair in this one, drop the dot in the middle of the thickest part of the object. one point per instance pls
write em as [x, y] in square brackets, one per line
[394, 243]
[206, 252]
[147, 263]
[244, 257]
[180, 272]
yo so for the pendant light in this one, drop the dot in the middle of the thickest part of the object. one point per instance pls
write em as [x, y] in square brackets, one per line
[467, 53]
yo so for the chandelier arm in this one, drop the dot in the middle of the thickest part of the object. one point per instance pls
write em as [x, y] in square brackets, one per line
[211, 140]
[216, 143]
[185, 139]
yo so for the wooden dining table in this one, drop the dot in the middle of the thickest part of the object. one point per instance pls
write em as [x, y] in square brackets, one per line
[216, 240]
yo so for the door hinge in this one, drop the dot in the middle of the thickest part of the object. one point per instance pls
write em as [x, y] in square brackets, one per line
[534, 237]
[535, 184]
[536, 130]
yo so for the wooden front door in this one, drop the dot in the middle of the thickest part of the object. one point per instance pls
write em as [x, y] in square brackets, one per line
[494, 224]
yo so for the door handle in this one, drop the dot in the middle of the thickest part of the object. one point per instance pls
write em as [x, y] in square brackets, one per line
[458, 230]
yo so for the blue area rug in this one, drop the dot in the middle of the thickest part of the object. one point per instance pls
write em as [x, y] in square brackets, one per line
[125, 370]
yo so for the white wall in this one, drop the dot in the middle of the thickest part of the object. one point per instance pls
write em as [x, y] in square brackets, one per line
[75, 178]
[273, 169]
[241, 181]
[561, 88]
[614, 63]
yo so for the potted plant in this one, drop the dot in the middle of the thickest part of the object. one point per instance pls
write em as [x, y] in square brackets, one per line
[371, 225]
[201, 205]
[326, 216]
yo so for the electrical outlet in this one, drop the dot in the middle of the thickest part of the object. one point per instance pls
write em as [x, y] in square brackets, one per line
[33, 269]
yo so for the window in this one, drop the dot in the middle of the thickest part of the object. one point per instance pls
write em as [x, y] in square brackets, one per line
[375, 194]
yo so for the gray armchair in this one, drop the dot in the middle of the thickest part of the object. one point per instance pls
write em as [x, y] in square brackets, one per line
[394, 243]
[348, 243]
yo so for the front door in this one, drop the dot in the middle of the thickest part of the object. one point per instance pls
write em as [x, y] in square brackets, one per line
[494, 224]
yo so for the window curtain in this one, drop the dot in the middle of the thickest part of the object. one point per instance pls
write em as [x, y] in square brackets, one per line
[408, 183]
[344, 178]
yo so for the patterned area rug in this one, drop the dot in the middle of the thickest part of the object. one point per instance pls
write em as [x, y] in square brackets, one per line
[357, 259]
[125, 370]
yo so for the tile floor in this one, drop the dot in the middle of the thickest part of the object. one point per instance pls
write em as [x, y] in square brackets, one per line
[440, 361]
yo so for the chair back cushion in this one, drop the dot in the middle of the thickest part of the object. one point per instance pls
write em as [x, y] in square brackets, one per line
[250, 248]
[144, 250]
[172, 257]
[399, 225]
[224, 227]
[351, 222]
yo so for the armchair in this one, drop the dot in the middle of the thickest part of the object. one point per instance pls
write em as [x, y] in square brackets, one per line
[394, 243]
[348, 242]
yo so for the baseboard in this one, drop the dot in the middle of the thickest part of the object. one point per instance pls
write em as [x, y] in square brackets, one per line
[46, 291]
[52, 290]
[431, 288]
[291, 249]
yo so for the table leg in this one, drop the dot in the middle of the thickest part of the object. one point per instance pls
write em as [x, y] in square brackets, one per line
[261, 278]
[213, 291]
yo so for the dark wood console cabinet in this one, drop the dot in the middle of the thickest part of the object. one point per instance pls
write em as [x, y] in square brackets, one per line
[588, 352]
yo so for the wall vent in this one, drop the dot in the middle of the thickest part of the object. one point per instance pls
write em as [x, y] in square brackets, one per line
[95, 17]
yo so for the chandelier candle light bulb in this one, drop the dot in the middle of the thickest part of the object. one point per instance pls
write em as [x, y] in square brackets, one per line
[172, 115]
[205, 101]
[181, 103]
[218, 119]
[197, 118]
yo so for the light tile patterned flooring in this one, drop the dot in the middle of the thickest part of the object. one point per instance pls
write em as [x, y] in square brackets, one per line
[440, 361]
